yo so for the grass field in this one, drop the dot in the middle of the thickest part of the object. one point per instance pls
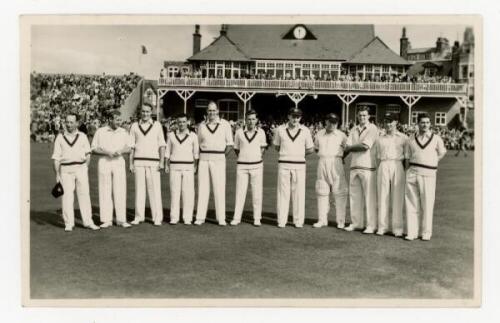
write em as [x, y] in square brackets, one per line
[248, 262]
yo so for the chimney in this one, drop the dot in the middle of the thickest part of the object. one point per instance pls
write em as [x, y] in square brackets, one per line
[404, 45]
[223, 30]
[440, 45]
[455, 61]
[196, 39]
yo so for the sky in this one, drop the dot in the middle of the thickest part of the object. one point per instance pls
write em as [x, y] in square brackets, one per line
[116, 49]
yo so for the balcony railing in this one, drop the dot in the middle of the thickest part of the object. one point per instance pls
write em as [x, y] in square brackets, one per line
[315, 85]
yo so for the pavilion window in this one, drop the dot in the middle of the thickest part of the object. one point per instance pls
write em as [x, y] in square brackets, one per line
[306, 70]
[288, 70]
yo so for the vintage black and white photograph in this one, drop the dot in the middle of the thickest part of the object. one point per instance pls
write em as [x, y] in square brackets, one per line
[268, 161]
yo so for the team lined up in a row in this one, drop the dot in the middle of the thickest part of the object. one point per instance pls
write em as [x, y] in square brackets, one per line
[377, 181]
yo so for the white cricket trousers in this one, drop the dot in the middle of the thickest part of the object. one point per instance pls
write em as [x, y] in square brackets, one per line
[291, 182]
[331, 178]
[181, 181]
[419, 199]
[242, 178]
[391, 194]
[215, 170]
[112, 188]
[363, 198]
[148, 177]
[76, 177]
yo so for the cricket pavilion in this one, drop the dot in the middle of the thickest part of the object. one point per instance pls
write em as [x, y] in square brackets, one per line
[318, 68]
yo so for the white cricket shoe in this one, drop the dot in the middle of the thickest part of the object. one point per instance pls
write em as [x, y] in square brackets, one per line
[125, 225]
[199, 222]
[222, 223]
[68, 228]
[426, 237]
[369, 230]
[350, 228]
[256, 223]
[319, 225]
[93, 227]
[106, 225]
[136, 222]
[235, 222]
[340, 225]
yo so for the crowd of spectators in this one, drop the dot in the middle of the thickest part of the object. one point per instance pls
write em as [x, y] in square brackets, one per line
[90, 96]
[326, 76]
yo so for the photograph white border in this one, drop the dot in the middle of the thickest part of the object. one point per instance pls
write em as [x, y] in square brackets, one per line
[28, 20]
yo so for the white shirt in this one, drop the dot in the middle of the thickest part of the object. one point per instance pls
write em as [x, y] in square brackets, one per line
[293, 145]
[110, 140]
[330, 145]
[213, 139]
[424, 153]
[182, 150]
[146, 140]
[391, 147]
[365, 135]
[71, 149]
[249, 145]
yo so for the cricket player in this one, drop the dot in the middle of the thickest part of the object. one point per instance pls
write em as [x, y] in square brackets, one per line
[390, 152]
[249, 145]
[362, 179]
[216, 140]
[293, 141]
[146, 161]
[71, 159]
[181, 158]
[110, 143]
[424, 151]
[329, 144]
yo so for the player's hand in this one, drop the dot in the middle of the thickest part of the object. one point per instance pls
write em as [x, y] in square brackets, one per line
[116, 154]
[167, 169]
[161, 167]
[58, 178]
[132, 168]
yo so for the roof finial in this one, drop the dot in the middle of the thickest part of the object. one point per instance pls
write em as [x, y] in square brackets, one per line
[223, 30]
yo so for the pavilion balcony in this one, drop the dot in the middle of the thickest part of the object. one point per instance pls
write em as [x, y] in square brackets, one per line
[315, 86]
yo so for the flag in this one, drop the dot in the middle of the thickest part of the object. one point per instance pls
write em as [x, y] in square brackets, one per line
[144, 50]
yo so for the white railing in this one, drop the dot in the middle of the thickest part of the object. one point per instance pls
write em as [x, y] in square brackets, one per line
[312, 85]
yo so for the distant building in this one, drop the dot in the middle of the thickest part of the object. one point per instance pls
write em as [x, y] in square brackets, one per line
[456, 63]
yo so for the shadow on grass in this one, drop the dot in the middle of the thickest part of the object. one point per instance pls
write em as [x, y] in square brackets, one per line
[55, 219]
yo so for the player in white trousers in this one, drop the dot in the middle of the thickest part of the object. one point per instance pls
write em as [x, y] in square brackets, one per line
[71, 159]
[424, 151]
[390, 152]
[293, 141]
[249, 145]
[147, 161]
[181, 158]
[362, 177]
[110, 143]
[216, 140]
[329, 143]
